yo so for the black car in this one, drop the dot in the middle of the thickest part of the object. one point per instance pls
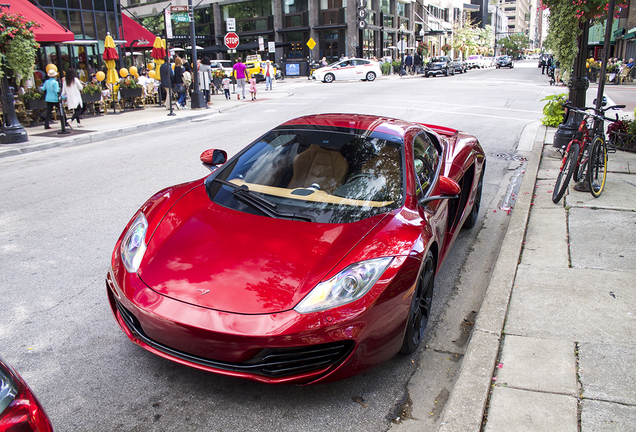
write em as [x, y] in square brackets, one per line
[505, 61]
[440, 65]
[460, 65]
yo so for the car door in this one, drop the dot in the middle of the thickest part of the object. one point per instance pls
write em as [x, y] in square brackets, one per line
[361, 67]
[345, 70]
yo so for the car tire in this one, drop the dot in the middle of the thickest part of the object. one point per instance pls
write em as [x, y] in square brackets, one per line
[370, 76]
[420, 310]
[426, 75]
[471, 220]
[446, 72]
[329, 78]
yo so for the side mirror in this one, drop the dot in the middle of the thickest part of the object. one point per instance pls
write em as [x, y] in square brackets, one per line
[213, 157]
[447, 189]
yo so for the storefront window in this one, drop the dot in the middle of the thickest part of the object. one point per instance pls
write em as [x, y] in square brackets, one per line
[296, 50]
[87, 4]
[100, 21]
[76, 23]
[59, 3]
[62, 17]
[385, 6]
[332, 4]
[73, 4]
[89, 25]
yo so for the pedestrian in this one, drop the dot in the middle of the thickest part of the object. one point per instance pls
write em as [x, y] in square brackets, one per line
[226, 86]
[269, 75]
[167, 78]
[253, 87]
[187, 77]
[72, 89]
[205, 78]
[408, 63]
[417, 62]
[51, 88]
[178, 82]
[323, 62]
[240, 73]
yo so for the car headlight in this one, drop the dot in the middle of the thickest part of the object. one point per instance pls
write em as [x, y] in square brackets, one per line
[349, 285]
[133, 246]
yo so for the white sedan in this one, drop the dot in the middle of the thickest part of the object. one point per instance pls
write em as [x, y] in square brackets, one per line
[349, 69]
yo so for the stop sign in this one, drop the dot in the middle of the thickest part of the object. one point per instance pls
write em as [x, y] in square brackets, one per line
[231, 40]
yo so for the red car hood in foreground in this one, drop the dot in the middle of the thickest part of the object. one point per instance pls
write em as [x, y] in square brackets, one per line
[207, 255]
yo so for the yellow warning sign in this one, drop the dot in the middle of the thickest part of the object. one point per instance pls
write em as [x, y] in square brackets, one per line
[311, 43]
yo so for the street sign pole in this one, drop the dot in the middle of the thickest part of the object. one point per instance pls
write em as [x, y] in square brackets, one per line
[231, 41]
[197, 99]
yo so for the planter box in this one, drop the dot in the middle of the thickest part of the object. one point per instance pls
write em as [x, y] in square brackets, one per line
[95, 97]
[130, 93]
[623, 141]
[34, 104]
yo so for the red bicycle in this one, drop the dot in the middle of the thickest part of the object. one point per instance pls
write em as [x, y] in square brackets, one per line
[576, 155]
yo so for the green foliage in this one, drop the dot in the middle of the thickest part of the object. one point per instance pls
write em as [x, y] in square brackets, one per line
[563, 33]
[468, 38]
[32, 93]
[90, 88]
[17, 45]
[514, 44]
[553, 110]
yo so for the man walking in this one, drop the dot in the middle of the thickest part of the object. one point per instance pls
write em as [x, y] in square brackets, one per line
[240, 72]
[167, 78]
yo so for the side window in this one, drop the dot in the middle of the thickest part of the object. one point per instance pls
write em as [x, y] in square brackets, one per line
[425, 160]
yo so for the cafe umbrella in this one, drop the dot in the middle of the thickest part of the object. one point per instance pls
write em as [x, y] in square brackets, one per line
[158, 53]
[110, 55]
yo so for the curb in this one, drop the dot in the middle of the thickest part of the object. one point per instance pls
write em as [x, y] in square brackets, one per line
[466, 404]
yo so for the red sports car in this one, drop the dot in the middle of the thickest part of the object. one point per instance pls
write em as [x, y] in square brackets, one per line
[20, 410]
[310, 256]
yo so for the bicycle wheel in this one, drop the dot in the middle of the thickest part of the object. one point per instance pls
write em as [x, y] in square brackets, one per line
[580, 168]
[597, 167]
[567, 169]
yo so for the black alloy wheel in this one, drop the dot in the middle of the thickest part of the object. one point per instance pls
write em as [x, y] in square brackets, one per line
[420, 307]
[474, 212]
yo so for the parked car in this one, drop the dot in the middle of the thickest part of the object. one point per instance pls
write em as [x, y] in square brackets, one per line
[309, 256]
[489, 62]
[505, 61]
[349, 69]
[439, 65]
[226, 65]
[460, 65]
[20, 410]
[257, 68]
[475, 61]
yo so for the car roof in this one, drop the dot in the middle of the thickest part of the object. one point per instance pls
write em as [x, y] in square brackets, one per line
[353, 122]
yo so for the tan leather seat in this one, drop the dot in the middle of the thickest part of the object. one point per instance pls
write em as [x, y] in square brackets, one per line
[386, 164]
[327, 168]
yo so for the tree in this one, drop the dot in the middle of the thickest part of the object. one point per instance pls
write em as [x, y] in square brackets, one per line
[469, 39]
[514, 44]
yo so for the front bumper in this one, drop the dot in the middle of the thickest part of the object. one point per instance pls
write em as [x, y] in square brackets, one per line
[285, 347]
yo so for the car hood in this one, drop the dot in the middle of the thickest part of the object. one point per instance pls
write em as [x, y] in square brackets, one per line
[211, 256]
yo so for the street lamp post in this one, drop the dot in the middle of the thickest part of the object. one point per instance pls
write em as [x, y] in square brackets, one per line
[197, 99]
[401, 47]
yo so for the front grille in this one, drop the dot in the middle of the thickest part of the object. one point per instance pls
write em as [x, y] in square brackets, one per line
[270, 362]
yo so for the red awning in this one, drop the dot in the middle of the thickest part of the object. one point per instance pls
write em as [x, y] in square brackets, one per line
[133, 31]
[50, 30]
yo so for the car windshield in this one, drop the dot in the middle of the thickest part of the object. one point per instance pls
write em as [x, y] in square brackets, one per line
[318, 175]
[438, 59]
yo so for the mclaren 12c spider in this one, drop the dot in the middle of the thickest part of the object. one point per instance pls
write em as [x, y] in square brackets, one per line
[309, 256]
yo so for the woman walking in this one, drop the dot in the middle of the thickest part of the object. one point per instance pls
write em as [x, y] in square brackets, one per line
[178, 82]
[205, 78]
[71, 87]
[51, 88]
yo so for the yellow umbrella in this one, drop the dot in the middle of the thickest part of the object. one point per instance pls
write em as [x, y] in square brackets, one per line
[158, 53]
[110, 55]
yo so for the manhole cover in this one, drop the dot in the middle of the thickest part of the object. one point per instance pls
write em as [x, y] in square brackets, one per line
[506, 156]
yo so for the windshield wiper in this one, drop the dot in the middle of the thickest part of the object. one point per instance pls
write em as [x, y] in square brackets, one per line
[245, 195]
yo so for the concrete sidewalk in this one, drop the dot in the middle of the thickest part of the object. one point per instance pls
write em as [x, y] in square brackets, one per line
[108, 126]
[554, 346]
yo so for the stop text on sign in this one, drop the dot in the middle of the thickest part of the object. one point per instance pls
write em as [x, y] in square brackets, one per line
[231, 40]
